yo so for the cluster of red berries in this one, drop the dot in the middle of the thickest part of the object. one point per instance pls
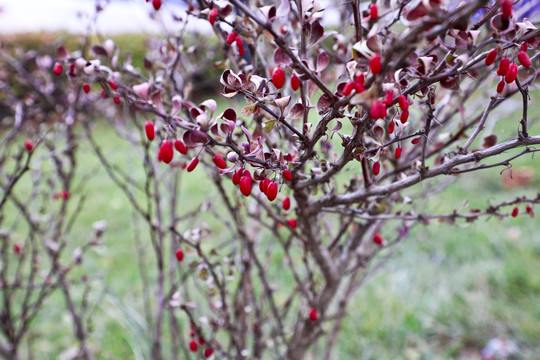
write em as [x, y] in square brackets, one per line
[166, 151]
[508, 71]
[194, 345]
[528, 210]
[234, 38]
[278, 79]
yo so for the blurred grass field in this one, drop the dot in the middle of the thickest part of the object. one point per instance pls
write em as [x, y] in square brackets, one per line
[445, 291]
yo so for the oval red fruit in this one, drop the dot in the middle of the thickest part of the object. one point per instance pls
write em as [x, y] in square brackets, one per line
[156, 4]
[504, 65]
[286, 203]
[213, 16]
[507, 8]
[208, 352]
[245, 185]
[287, 175]
[116, 99]
[512, 73]
[391, 127]
[236, 178]
[524, 59]
[271, 191]
[86, 88]
[180, 147]
[292, 223]
[375, 64]
[313, 315]
[219, 162]
[231, 37]
[193, 346]
[524, 46]
[376, 168]
[378, 110]
[29, 145]
[166, 151]
[500, 86]
[192, 165]
[515, 212]
[295, 82]
[113, 85]
[348, 88]
[57, 68]
[416, 140]
[239, 42]
[388, 98]
[403, 103]
[179, 255]
[377, 239]
[278, 77]
[491, 57]
[263, 185]
[397, 153]
[373, 11]
[150, 130]
[17, 249]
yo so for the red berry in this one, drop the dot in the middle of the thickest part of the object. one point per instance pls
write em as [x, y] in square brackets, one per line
[287, 175]
[373, 11]
[17, 249]
[231, 37]
[57, 68]
[375, 64]
[193, 346]
[239, 42]
[104, 94]
[524, 59]
[313, 315]
[348, 88]
[359, 88]
[377, 239]
[278, 77]
[359, 79]
[86, 88]
[192, 165]
[201, 341]
[507, 8]
[150, 130]
[524, 46]
[263, 185]
[29, 145]
[241, 51]
[220, 163]
[180, 147]
[208, 352]
[286, 203]
[295, 82]
[116, 99]
[491, 57]
[397, 153]
[402, 101]
[376, 168]
[391, 127]
[113, 85]
[271, 191]
[512, 74]
[213, 16]
[236, 178]
[166, 151]
[529, 209]
[504, 65]
[388, 98]
[156, 4]
[292, 223]
[416, 140]
[404, 116]
[179, 255]
[500, 86]
[515, 212]
[245, 185]
[378, 110]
